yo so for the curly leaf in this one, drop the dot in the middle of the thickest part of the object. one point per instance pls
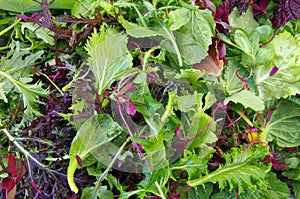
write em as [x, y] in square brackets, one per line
[241, 170]
[109, 57]
[30, 92]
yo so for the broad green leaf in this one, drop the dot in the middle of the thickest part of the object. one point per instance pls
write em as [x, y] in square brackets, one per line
[92, 138]
[242, 40]
[233, 83]
[276, 188]
[284, 125]
[242, 168]
[248, 99]
[286, 57]
[296, 189]
[31, 6]
[102, 193]
[201, 28]
[179, 17]
[30, 93]
[245, 21]
[109, 57]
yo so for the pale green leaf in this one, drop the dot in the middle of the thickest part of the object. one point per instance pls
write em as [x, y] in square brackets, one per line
[241, 170]
[284, 125]
[248, 99]
[245, 21]
[92, 138]
[40, 32]
[109, 57]
[286, 57]
[242, 40]
[179, 17]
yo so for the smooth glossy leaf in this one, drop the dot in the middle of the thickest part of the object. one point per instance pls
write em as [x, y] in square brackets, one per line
[284, 125]
[91, 139]
[109, 58]
[248, 99]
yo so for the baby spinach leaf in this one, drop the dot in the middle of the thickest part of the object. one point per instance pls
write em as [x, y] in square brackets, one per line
[94, 134]
[284, 126]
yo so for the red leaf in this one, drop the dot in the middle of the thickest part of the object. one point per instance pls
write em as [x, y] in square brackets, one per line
[79, 160]
[287, 10]
[7, 184]
[15, 167]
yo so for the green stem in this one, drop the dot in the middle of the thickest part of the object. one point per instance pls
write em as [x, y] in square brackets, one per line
[103, 175]
[10, 27]
[245, 118]
[169, 107]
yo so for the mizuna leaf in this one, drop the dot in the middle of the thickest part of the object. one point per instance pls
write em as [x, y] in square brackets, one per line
[247, 99]
[30, 93]
[241, 170]
[284, 125]
[109, 57]
[91, 139]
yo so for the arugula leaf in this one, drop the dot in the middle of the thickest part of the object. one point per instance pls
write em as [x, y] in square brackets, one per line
[94, 135]
[31, 92]
[286, 57]
[240, 170]
[247, 99]
[284, 125]
[109, 57]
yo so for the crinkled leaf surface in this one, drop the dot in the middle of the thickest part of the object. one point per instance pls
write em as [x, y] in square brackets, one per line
[239, 171]
[284, 125]
[247, 99]
[286, 58]
[109, 57]
[288, 9]
[92, 136]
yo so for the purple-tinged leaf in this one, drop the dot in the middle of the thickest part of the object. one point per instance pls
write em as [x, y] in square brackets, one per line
[130, 108]
[287, 10]
[273, 71]
[179, 135]
[79, 160]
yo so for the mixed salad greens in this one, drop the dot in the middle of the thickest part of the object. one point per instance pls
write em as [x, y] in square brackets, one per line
[150, 99]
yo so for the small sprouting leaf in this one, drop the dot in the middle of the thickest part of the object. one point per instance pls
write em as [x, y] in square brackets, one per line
[247, 99]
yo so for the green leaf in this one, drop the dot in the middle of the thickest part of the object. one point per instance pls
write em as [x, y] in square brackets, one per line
[31, 6]
[202, 192]
[30, 92]
[193, 163]
[241, 170]
[179, 17]
[245, 21]
[109, 57]
[276, 188]
[296, 189]
[247, 99]
[242, 40]
[284, 125]
[233, 83]
[102, 193]
[286, 57]
[92, 138]
[201, 28]
[40, 32]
